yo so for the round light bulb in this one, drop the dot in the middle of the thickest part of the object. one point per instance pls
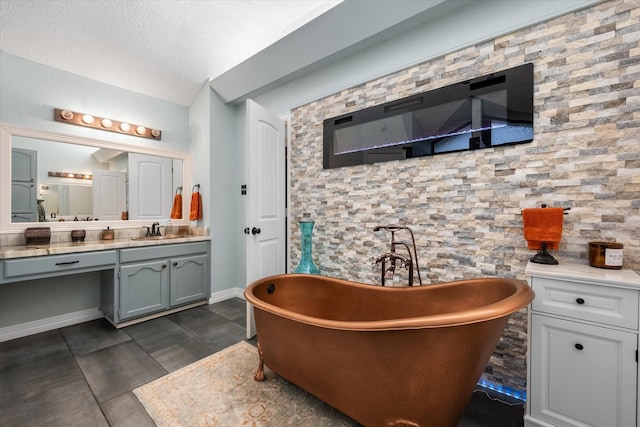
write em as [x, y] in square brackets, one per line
[66, 114]
[141, 130]
[106, 123]
[155, 133]
[124, 127]
[87, 118]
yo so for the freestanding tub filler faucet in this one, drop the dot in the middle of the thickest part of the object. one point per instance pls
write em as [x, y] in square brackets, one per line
[395, 259]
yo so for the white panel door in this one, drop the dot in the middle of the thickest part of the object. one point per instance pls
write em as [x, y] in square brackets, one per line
[150, 192]
[266, 206]
[109, 194]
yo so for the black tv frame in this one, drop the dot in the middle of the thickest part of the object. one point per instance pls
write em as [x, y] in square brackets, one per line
[517, 82]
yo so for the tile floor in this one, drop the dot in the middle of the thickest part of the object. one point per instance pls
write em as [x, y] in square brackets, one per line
[83, 375]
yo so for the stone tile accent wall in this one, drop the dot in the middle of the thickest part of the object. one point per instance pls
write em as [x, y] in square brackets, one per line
[464, 207]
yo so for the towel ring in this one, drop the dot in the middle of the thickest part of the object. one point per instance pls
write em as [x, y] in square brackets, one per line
[179, 190]
[195, 186]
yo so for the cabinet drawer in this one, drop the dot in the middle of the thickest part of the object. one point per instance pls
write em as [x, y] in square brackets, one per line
[162, 251]
[607, 305]
[54, 264]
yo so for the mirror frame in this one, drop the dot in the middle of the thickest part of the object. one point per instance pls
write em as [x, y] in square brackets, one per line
[7, 132]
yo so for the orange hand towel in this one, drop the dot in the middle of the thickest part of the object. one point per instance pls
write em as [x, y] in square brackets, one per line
[176, 210]
[543, 225]
[196, 206]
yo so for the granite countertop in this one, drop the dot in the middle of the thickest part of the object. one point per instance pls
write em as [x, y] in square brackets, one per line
[24, 251]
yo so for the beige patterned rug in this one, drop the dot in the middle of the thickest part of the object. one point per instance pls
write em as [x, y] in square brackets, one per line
[219, 390]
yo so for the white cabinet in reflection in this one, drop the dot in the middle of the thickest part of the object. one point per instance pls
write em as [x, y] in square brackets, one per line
[76, 201]
[109, 194]
[150, 192]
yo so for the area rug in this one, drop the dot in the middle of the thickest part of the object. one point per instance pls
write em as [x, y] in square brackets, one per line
[219, 390]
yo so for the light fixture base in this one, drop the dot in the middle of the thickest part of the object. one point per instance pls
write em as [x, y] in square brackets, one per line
[103, 123]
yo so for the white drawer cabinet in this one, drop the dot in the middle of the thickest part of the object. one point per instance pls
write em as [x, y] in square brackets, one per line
[583, 341]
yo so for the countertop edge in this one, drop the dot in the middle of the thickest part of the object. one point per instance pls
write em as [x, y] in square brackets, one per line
[581, 272]
[24, 251]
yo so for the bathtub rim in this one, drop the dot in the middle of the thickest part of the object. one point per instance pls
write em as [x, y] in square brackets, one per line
[521, 298]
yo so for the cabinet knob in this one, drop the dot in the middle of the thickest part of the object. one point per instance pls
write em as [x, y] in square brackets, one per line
[175, 263]
[580, 301]
[579, 346]
[164, 265]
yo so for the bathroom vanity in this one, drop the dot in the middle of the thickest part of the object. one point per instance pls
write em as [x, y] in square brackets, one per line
[139, 279]
[583, 346]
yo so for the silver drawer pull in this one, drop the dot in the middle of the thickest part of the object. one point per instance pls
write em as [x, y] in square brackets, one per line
[580, 301]
[68, 262]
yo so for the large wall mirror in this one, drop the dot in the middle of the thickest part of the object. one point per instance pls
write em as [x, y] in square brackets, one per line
[51, 179]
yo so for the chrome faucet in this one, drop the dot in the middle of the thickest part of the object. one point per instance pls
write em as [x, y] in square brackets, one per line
[395, 259]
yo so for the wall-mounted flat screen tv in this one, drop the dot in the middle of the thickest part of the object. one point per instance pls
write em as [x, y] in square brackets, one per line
[488, 111]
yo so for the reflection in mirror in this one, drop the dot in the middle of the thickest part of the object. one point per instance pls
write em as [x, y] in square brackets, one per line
[64, 201]
[36, 196]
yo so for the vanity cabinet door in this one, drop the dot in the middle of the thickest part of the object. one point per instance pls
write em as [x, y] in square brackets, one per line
[189, 279]
[582, 374]
[144, 288]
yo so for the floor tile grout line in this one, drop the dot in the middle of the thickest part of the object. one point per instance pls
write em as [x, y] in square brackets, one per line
[84, 377]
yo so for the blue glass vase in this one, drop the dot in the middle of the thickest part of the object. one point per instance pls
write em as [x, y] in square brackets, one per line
[306, 263]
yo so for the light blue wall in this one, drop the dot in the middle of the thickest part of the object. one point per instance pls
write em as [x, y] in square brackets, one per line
[200, 149]
[217, 164]
[29, 92]
[228, 219]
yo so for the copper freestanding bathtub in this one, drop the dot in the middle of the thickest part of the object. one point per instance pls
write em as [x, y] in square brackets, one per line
[383, 356]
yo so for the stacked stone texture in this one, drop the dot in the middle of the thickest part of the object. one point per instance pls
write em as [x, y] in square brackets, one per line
[465, 207]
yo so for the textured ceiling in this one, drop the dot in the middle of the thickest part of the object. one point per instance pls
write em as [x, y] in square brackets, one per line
[162, 48]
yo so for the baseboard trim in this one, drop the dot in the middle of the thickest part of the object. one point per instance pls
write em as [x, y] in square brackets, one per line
[529, 421]
[226, 294]
[42, 325]
[47, 324]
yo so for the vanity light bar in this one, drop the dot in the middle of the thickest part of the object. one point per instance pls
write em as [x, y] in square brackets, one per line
[71, 175]
[88, 120]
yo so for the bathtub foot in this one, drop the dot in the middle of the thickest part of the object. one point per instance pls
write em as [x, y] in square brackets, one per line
[403, 423]
[259, 375]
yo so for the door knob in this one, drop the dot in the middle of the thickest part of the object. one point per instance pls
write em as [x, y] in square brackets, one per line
[246, 230]
[255, 230]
